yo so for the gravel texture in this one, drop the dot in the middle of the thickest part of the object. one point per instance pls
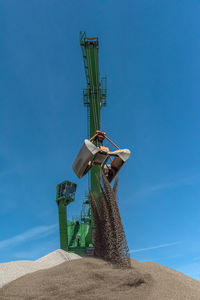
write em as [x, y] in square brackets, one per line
[95, 279]
[12, 270]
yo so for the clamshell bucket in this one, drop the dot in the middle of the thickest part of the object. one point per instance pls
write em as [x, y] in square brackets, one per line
[88, 155]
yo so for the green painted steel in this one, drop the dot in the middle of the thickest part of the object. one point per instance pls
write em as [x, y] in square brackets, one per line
[94, 97]
[65, 194]
[63, 225]
[76, 235]
[78, 232]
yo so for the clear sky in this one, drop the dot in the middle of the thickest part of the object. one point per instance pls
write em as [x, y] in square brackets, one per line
[149, 51]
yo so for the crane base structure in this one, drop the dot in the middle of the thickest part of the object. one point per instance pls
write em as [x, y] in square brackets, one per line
[74, 234]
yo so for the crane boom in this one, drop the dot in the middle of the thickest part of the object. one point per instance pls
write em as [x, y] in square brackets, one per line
[94, 95]
[77, 235]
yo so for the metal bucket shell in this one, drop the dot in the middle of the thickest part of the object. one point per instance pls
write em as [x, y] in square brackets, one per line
[121, 157]
[82, 163]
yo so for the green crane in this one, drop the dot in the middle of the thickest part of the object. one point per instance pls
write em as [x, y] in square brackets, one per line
[76, 235]
[94, 98]
[94, 95]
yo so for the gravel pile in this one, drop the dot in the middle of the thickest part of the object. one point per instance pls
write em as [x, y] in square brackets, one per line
[93, 278]
[15, 269]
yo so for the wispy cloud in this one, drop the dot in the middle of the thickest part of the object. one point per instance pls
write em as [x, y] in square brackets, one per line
[46, 246]
[154, 247]
[36, 232]
[190, 269]
[154, 188]
[190, 180]
[196, 258]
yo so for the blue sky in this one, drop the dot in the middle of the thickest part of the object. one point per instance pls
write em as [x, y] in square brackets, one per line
[149, 51]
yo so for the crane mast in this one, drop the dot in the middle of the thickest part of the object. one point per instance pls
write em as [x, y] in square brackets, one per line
[94, 96]
[77, 235]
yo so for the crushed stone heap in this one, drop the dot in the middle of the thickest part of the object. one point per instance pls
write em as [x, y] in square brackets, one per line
[12, 270]
[93, 278]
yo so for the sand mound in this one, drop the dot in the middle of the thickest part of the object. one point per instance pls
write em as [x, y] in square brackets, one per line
[91, 278]
[13, 270]
[57, 257]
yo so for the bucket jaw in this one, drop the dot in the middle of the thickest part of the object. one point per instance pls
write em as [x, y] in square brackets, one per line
[91, 154]
[120, 157]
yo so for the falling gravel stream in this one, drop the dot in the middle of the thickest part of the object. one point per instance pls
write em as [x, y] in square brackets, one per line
[109, 238]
